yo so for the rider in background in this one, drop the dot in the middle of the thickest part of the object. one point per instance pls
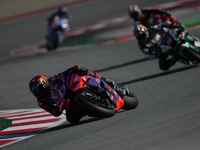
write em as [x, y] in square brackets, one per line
[150, 16]
[47, 91]
[62, 13]
[148, 39]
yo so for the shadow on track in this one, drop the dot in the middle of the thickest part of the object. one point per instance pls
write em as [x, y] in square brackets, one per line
[159, 75]
[68, 125]
[123, 65]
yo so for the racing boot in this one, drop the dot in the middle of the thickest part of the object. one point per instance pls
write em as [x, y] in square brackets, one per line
[122, 90]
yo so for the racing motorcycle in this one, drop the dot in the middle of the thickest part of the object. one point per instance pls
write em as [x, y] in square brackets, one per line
[178, 44]
[57, 31]
[93, 99]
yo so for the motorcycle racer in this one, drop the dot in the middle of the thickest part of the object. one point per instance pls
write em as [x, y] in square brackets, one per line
[47, 91]
[151, 16]
[156, 42]
[59, 25]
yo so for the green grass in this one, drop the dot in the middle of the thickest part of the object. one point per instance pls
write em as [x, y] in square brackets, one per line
[4, 123]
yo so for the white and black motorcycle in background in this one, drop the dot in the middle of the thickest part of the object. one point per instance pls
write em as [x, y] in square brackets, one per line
[57, 31]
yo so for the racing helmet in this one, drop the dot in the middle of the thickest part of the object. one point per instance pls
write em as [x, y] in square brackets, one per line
[39, 86]
[140, 32]
[135, 12]
[62, 10]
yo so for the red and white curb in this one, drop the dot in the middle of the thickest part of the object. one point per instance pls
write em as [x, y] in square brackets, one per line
[34, 49]
[26, 123]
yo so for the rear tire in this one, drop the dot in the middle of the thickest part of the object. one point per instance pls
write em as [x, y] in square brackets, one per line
[130, 102]
[94, 109]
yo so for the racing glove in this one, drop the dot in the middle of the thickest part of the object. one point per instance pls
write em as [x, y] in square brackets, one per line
[79, 71]
[75, 69]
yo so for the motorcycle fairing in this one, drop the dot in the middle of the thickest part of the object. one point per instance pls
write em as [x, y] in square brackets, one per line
[98, 85]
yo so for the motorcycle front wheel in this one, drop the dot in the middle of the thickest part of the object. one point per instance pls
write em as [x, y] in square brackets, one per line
[52, 45]
[192, 55]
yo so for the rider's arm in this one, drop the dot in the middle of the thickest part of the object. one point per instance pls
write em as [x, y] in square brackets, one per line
[159, 27]
[81, 72]
[169, 25]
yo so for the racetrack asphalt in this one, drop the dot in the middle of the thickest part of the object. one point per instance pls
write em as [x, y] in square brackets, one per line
[16, 8]
[168, 113]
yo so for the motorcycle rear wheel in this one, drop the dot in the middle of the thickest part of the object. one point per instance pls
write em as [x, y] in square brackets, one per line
[94, 109]
[130, 101]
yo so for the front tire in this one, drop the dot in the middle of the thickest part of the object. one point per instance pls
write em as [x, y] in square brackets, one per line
[192, 55]
[52, 44]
